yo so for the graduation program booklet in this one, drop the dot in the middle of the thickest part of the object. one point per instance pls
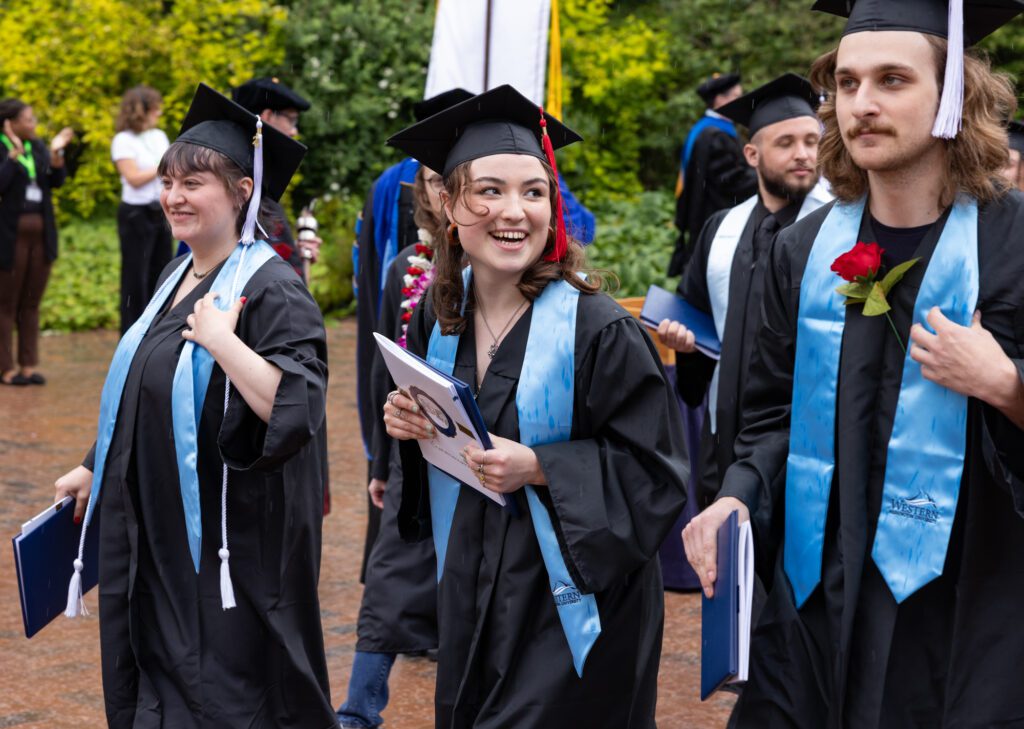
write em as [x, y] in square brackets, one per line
[725, 618]
[44, 555]
[660, 304]
[448, 404]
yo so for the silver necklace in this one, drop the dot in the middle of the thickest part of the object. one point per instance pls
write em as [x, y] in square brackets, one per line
[493, 349]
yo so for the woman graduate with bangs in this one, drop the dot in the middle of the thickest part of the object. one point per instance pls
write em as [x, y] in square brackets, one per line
[551, 609]
[209, 490]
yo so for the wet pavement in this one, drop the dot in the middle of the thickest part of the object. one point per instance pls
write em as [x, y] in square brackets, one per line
[53, 680]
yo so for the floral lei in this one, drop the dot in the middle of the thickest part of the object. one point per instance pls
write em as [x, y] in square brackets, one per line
[418, 276]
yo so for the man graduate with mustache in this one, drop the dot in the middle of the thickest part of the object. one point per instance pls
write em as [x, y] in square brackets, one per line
[891, 481]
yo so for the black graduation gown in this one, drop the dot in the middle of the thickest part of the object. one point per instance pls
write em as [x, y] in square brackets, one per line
[368, 294]
[694, 371]
[398, 613]
[717, 177]
[614, 491]
[851, 657]
[171, 657]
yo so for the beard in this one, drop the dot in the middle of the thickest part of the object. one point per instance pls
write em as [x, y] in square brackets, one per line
[776, 184]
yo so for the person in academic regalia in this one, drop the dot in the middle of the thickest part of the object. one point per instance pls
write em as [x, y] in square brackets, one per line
[386, 226]
[1014, 169]
[210, 506]
[550, 609]
[729, 258]
[398, 613]
[713, 174]
[892, 484]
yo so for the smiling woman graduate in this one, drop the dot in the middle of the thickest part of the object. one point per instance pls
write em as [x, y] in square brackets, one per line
[550, 613]
[210, 493]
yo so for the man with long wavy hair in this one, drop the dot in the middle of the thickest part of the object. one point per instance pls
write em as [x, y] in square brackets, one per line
[888, 482]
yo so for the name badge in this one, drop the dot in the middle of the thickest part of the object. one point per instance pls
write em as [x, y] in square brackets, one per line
[33, 193]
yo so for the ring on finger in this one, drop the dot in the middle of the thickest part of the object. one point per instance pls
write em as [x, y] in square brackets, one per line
[391, 398]
[480, 469]
[399, 413]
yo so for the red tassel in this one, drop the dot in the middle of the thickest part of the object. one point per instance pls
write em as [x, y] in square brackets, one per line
[561, 241]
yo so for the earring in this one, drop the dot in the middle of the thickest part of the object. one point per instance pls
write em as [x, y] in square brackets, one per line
[453, 233]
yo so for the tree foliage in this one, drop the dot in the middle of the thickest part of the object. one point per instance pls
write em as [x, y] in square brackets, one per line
[72, 61]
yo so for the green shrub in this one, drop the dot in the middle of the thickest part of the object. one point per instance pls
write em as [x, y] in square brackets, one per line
[331, 277]
[84, 287]
[634, 242]
[73, 61]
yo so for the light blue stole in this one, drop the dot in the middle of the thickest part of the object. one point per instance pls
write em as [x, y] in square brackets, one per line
[544, 403]
[925, 459]
[191, 380]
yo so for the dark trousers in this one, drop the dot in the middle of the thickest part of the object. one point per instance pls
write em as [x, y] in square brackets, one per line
[21, 291]
[145, 250]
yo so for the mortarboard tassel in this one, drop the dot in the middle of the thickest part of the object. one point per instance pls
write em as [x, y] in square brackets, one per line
[950, 115]
[561, 241]
[249, 227]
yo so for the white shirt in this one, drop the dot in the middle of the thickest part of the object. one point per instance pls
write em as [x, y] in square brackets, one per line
[145, 149]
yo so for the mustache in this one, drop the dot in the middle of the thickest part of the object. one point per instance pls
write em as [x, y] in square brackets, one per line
[869, 128]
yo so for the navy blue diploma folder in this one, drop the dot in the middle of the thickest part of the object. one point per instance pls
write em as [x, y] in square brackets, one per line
[725, 618]
[660, 304]
[44, 555]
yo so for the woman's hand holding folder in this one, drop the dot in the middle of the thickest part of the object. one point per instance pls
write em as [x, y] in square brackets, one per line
[76, 483]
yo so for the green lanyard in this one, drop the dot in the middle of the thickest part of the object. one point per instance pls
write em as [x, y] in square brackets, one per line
[27, 160]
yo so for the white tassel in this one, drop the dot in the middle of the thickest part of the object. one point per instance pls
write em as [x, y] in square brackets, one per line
[950, 116]
[76, 602]
[227, 590]
[249, 227]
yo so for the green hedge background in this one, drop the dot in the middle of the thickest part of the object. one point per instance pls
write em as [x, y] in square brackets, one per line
[630, 68]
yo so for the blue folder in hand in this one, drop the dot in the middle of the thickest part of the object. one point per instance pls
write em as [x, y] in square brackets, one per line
[660, 304]
[725, 618]
[44, 555]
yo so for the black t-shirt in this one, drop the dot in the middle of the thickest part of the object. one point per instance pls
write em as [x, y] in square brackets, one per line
[898, 244]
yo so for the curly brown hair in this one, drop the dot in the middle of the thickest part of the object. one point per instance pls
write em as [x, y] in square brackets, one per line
[449, 260]
[974, 158]
[136, 104]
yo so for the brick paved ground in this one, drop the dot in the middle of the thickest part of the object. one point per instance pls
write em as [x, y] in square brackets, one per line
[54, 680]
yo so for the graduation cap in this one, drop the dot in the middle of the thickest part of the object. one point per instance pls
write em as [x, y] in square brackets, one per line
[716, 84]
[499, 121]
[962, 22]
[268, 93]
[787, 97]
[436, 104]
[216, 122]
[1015, 134]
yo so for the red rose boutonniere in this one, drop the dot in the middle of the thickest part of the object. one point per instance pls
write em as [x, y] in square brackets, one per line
[860, 266]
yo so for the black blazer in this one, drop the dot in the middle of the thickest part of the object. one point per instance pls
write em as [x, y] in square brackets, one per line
[13, 181]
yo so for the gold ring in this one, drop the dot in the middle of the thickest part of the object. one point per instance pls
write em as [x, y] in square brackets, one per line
[480, 469]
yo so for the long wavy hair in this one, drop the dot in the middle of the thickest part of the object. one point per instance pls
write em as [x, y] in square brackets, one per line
[450, 258]
[136, 104]
[974, 158]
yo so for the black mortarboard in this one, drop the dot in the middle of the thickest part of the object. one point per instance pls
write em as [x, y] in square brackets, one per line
[962, 22]
[787, 97]
[980, 17]
[499, 121]
[716, 84]
[436, 104]
[268, 93]
[1015, 133]
[216, 122]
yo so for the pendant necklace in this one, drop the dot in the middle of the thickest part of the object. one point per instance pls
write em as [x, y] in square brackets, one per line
[493, 349]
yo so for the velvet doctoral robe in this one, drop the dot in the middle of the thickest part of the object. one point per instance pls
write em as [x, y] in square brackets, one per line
[851, 656]
[614, 491]
[171, 656]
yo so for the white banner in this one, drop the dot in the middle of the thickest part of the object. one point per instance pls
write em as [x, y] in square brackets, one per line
[518, 46]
